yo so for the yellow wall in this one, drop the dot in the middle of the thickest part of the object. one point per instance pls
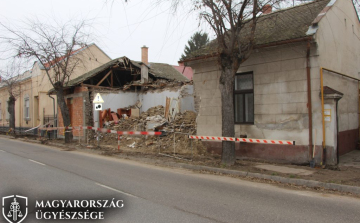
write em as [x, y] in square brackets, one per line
[3, 101]
[38, 85]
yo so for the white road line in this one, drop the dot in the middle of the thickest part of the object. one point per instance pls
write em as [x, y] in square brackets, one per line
[37, 162]
[119, 191]
[2, 151]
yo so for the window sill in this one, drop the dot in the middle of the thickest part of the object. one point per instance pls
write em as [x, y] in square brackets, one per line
[247, 123]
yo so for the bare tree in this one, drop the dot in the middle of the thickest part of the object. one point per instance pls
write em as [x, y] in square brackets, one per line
[10, 79]
[234, 23]
[54, 47]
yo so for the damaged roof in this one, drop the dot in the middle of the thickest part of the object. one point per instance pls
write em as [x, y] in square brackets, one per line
[287, 24]
[166, 71]
[157, 70]
[93, 72]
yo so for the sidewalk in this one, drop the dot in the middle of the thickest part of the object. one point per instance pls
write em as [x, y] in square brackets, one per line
[346, 179]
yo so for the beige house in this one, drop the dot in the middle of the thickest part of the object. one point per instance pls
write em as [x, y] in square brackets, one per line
[277, 92]
[33, 105]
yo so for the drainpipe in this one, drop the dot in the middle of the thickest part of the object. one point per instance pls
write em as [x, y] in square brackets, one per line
[337, 133]
[21, 111]
[308, 78]
[322, 115]
[32, 105]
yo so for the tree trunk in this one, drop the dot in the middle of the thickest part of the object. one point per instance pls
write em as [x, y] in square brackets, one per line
[227, 80]
[11, 110]
[65, 113]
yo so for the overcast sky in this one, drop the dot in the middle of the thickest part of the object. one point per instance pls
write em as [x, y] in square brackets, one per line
[119, 28]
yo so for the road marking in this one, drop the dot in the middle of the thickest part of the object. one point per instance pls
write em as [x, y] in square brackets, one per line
[2, 151]
[119, 191]
[37, 162]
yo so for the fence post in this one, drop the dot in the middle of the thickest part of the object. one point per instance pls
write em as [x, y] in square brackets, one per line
[118, 142]
[98, 138]
[192, 150]
[174, 144]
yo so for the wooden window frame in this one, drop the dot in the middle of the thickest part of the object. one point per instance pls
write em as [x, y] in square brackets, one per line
[243, 93]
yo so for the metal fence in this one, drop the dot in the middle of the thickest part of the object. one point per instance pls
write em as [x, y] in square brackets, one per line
[19, 130]
[50, 120]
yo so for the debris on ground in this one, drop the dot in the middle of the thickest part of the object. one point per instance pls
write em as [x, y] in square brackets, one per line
[174, 138]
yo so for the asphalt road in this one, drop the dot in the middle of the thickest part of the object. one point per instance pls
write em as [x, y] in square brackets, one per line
[156, 194]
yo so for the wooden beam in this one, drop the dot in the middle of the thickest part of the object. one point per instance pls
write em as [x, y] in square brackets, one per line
[98, 87]
[108, 81]
[112, 79]
[104, 78]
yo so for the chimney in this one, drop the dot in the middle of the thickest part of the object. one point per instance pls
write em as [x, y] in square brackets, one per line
[266, 9]
[144, 65]
[144, 55]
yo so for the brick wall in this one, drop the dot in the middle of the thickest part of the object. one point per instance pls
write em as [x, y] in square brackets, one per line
[77, 114]
[76, 107]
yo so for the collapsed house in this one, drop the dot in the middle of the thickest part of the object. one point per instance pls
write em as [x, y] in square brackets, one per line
[128, 88]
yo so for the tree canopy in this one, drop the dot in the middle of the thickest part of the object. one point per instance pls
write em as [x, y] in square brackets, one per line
[196, 41]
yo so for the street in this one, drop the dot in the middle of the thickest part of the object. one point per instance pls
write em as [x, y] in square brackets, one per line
[157, 194]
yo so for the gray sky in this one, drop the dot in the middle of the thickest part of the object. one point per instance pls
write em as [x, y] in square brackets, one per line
[119, 28]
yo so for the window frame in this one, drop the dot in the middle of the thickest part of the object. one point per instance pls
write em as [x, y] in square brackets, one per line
[243, 93]
[26, 118]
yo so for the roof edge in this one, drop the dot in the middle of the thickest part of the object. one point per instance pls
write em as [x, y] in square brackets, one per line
[279, 43]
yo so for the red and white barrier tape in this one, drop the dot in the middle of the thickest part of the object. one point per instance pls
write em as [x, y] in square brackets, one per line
[213, 138]
[104, 130]
[264, 141]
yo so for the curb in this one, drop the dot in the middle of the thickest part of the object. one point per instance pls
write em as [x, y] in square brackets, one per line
[298, 182]
[285, 180]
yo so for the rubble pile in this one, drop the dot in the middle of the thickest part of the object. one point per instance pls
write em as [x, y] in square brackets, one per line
[175, 133]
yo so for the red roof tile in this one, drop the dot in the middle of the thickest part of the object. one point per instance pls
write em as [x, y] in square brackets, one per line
[186, 71]
[51, 63]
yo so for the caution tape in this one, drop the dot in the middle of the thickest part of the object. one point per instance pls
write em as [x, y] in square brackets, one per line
[213, 138]
[264, 141]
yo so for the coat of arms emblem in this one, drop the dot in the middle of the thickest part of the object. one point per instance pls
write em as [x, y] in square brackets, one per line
[14, 208]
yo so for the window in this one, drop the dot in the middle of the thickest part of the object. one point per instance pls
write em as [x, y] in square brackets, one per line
[27, 108]
[244, 98]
